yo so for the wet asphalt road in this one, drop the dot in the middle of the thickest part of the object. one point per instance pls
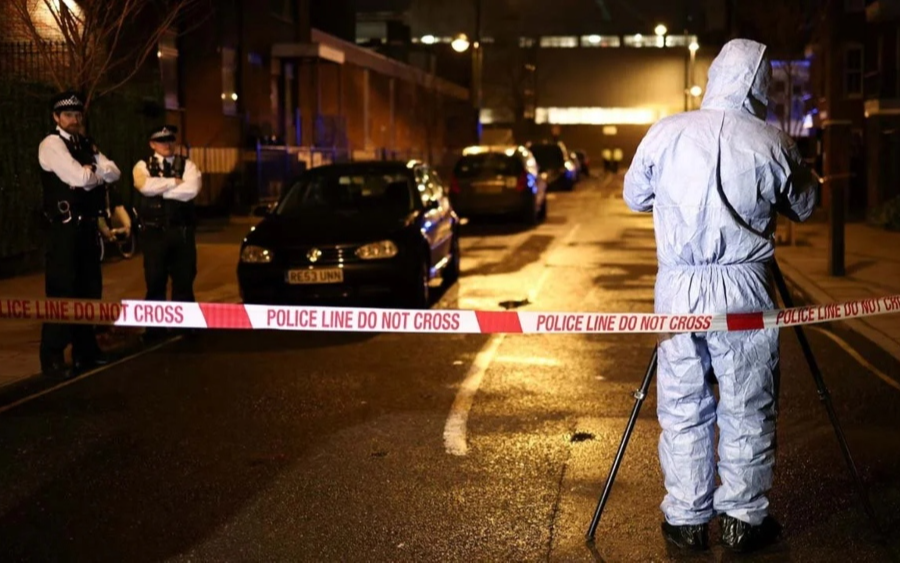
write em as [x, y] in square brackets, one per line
[254, 446]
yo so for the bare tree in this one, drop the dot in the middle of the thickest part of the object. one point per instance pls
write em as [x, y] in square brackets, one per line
[786, 28]
[106, 42]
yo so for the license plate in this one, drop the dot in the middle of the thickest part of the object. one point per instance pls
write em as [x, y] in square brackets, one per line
[488, 188]
[322, 275]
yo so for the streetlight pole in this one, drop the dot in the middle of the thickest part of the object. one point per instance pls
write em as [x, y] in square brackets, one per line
[477, 66]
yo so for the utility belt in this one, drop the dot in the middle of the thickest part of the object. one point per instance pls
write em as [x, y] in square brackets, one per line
[65, 212]
[166, 223]
[157, 213]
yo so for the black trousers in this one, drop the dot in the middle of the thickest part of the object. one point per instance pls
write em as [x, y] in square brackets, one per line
[72, 270]
[169, 252]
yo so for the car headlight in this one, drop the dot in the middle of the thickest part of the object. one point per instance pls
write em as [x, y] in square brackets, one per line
[377, 250]
[251, 254]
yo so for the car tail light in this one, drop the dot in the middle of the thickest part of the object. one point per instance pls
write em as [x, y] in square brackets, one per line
[522, 184]
[454, 185]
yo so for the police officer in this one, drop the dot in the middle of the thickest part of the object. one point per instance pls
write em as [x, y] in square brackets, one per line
[168, 182]
[73, 172]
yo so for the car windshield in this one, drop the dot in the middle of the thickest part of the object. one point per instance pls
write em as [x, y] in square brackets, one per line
[548, 156]
[488, 164]
[374, 191]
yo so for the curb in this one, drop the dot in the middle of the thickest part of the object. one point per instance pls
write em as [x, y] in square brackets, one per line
[813, 294]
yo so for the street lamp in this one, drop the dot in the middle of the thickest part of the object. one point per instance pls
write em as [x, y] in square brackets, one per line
[429, 39]
[661, 35]
[689, 76]
[460, 43]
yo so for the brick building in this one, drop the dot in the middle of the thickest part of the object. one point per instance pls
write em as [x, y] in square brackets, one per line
[882, 101]
[259, 91]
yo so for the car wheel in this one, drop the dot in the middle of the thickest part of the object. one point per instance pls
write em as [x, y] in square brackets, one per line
[418, 294]
[542, 214]
[451, 272]
[529, 215]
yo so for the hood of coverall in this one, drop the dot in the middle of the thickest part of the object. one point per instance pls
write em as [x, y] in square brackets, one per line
[739, 78]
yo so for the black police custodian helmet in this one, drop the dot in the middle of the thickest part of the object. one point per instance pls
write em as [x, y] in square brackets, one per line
[163, 134]
[67, 101]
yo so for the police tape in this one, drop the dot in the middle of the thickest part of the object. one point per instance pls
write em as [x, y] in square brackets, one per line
[169, 314]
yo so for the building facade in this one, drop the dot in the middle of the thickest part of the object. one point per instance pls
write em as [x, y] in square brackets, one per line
[258, 92]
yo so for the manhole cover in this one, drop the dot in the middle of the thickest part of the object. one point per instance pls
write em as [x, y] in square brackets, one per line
[581, 437]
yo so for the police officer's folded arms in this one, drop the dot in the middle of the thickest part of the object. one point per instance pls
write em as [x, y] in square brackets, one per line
[168, 182]
[73, 174]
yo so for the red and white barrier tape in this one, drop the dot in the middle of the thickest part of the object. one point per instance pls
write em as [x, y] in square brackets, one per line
[135, 313]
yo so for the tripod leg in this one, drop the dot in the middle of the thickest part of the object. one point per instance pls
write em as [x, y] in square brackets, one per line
[825, 398]
[639, 397]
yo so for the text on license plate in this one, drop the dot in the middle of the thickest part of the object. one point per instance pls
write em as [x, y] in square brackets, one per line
[322, 275]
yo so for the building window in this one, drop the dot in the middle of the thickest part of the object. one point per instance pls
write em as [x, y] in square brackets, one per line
[229, 81]
[597, 116]
[639, 40]
[853, 71]
[282, 9]
[559, 41]
[600, 41]
[168, 69]
[526, 42]
[680, 40]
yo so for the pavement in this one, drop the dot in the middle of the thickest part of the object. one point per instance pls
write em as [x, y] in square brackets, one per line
[217, 254]
[872, 269]
[871, 259]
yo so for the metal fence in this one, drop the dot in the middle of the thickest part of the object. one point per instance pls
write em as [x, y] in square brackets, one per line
[23, 60]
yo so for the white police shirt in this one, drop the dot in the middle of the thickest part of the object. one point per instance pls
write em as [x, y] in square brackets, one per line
[166, 187]
[54, 156]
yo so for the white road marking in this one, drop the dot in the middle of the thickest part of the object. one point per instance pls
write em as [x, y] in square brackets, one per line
[856, 356]
[548, 362]
[533, 294]
[455, 428]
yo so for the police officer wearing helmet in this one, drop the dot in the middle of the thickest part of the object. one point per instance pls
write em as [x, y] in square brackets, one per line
[168, 182]
[73, 174]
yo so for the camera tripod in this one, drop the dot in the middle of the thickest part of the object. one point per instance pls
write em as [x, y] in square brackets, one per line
[824, 397]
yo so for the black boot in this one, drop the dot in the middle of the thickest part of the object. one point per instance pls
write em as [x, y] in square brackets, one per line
[740, 536]
[695, 537]
[56, 370]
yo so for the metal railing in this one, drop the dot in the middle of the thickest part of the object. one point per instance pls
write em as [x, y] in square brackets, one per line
[23, 60]
[237, 179]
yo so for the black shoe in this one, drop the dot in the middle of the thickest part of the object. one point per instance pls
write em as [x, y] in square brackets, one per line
[694, 537]
[740, 536]
[91, 362]
[57, 371]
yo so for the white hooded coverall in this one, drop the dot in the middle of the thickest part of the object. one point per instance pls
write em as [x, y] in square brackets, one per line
[714, 180]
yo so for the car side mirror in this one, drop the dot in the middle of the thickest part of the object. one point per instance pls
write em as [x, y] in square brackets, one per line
[262, 210]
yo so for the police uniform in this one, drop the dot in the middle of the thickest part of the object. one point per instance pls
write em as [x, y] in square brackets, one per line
[168, 220]
[73, 174]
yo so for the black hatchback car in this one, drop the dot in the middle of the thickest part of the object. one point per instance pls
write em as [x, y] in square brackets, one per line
[359, 232]
[499, 181]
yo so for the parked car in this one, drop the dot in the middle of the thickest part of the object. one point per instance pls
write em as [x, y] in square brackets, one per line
[356, 232]
[499, 181]
[584, 162]
[554, 159]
